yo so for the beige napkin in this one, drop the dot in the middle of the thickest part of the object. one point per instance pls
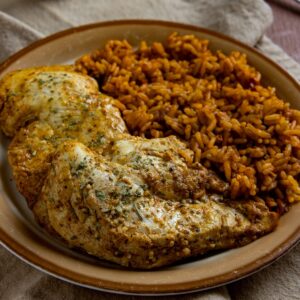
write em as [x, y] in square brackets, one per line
[22, 22]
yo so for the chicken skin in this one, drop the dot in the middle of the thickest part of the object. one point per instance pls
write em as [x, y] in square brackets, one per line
[133, 201]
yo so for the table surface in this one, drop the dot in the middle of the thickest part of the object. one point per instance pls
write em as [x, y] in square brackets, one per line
[285, 30]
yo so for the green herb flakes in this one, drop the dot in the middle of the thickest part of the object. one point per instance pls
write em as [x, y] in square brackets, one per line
[100, 195]
[82, 165]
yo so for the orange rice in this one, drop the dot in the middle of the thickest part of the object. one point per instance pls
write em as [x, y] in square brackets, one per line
[214, 102]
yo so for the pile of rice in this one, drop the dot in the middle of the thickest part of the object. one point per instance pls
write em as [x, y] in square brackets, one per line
[214, 102]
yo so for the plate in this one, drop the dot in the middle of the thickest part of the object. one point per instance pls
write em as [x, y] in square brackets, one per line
[21, 235]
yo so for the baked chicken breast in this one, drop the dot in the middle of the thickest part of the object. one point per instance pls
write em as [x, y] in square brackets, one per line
[43, 107]
[133, 201]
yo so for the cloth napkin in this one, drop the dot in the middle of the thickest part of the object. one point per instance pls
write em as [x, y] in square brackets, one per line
[22, 22]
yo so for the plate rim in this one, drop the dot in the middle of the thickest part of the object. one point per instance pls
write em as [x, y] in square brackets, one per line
[141, 289]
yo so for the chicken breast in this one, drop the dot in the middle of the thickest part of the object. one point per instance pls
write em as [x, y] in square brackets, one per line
[112, 211]
[43, 107]
[136, 202]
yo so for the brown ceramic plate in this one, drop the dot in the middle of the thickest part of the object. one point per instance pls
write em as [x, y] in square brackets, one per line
[20, 234]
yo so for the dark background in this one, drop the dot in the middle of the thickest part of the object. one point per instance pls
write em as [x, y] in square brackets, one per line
[285, 30]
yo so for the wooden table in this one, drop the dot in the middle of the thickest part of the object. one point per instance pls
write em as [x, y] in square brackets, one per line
[285, 30]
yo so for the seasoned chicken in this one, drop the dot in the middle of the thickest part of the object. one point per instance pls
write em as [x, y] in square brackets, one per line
[133, 201]
[111, 211]
[41, 108]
